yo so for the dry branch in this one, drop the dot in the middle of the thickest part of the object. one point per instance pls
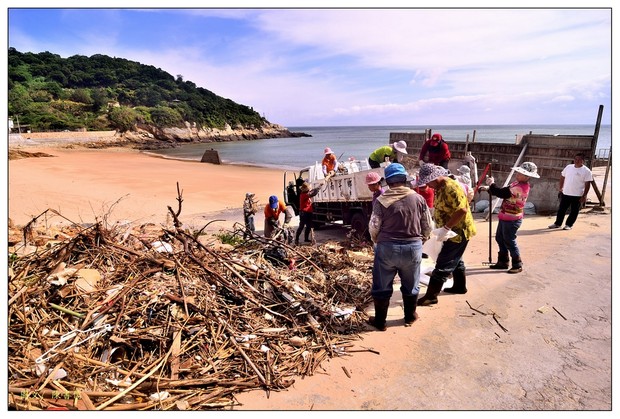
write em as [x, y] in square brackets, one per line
[160, 329]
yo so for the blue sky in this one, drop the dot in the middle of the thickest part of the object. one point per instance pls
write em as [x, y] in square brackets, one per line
[316, 67]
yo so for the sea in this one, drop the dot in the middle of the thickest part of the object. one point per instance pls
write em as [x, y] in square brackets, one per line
[359, 141]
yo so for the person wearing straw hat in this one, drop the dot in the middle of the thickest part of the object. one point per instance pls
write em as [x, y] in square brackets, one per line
[393, 152]
[435, 151]
[398, 225]
[511, 215]
[455, 227]
[250, 208]
[329, 162]
[464, 175]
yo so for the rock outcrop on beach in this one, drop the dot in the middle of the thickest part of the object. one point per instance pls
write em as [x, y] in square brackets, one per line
[191, 133]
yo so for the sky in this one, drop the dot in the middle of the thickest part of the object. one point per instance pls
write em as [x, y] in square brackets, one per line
[365, 66]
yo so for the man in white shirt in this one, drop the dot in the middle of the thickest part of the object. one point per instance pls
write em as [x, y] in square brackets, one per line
[574, 187]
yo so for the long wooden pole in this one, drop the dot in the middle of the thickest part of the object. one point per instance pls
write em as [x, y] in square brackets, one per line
[602, 197]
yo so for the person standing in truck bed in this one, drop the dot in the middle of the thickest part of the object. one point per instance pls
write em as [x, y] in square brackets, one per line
[435, 151]
[329, 163]
[393, 152]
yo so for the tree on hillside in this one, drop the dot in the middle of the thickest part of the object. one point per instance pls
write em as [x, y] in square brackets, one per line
[99, 80]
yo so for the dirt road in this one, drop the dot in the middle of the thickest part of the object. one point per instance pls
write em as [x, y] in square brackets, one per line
[538, 340]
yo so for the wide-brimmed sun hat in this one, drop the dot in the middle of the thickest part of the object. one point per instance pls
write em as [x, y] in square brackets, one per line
[464, 170]
[373, 177]
[429, 172]
[328, 150]
[528, 169]
[400, 146]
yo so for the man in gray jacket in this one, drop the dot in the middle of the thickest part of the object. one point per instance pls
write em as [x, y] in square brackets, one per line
[399, 224]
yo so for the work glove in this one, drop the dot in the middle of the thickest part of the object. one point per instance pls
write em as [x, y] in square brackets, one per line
[443, 234]
[490, 180]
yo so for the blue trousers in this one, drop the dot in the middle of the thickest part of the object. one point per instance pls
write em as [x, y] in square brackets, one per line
[391, 258]
[506, 237]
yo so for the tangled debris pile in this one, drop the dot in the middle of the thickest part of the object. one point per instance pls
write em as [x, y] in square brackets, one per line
[150, 318]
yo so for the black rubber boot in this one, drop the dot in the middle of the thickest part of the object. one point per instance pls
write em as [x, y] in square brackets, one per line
[502, 261]
[517, 266]
[432, 291]
[460, 283]
[410, 303]
[381, 309]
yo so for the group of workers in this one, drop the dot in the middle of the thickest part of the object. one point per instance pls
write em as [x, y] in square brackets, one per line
[433, 206]
[399, 226]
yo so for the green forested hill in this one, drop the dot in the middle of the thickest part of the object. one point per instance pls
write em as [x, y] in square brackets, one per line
[50, 93]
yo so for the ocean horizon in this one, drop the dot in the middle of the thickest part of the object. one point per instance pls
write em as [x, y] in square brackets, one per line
[359, 141]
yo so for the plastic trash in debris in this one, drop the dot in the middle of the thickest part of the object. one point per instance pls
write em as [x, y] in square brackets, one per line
[245, 338]
[162, 395]
[342, 313]
[119, 383]
[91, 334]
[162, 247]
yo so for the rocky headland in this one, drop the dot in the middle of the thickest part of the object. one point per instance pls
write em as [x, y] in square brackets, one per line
[150, 137]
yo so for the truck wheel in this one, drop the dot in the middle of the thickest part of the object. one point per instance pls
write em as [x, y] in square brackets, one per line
[359, 223]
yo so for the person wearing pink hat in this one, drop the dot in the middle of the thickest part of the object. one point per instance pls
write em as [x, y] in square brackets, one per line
[330, 162]
[373, 180]
[435, 151]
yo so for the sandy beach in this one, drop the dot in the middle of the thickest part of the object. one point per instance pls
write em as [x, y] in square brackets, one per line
[85, 185]
[555, 353]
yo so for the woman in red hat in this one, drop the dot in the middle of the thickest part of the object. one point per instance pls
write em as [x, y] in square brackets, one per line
[435, 151]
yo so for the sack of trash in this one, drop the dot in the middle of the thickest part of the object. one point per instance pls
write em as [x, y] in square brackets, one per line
[277, 256]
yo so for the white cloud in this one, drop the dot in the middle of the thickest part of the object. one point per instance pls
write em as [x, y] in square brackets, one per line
[320, 67]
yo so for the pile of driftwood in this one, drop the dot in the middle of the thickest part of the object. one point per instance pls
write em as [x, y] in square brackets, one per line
[153, 318]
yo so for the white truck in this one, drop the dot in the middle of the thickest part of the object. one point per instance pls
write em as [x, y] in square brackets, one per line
[343, 198]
